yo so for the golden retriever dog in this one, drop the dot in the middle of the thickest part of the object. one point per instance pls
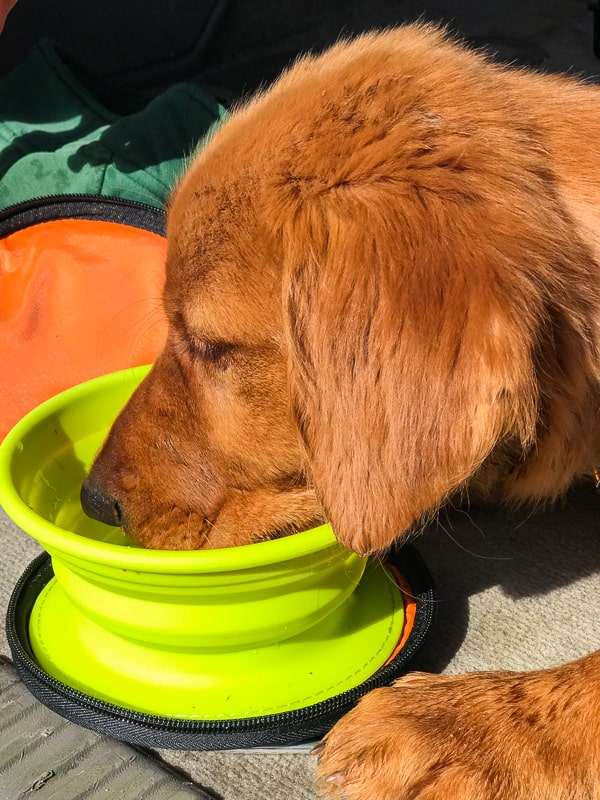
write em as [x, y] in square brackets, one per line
[383, 291]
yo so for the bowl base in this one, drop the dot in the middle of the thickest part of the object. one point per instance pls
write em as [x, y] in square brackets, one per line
[379, 609]
[335, 655]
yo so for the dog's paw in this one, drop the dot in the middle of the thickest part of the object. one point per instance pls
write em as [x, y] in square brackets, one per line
[400, 742]
[470, 737]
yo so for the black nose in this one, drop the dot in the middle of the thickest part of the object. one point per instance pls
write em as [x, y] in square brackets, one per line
[100, 506]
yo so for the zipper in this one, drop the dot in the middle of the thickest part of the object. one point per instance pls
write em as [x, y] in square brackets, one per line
[49, 208]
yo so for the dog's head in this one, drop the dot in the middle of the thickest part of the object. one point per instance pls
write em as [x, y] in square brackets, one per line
[362, 315]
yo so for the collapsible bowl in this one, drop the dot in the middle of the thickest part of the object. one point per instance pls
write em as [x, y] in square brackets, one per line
[266, 643]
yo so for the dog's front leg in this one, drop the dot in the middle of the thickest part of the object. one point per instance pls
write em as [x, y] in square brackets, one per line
[481, 736]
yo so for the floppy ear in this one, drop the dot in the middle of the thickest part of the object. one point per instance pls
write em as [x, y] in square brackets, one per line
[411, 352]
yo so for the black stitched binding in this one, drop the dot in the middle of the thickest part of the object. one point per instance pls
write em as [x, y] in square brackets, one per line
[81, 206]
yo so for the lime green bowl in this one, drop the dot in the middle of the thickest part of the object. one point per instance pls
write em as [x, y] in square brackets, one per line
[226, 633]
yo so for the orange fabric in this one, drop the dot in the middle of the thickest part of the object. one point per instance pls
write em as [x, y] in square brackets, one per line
[78, 299]
[410, 609]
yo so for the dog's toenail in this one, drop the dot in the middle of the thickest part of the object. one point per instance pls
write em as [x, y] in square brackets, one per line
[318, 748]
[337, 778]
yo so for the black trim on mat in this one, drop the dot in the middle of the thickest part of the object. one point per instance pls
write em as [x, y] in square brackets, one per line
[292, 727]
[82, 206]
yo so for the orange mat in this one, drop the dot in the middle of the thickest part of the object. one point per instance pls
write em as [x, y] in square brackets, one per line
[78, 299]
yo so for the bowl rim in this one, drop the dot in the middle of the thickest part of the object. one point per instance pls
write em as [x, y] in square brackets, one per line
[60, 540]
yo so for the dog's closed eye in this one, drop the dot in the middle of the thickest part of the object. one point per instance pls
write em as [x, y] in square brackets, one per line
[213, 352]
[200, 348]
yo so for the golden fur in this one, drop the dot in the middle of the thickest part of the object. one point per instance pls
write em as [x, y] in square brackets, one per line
[383, 290]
